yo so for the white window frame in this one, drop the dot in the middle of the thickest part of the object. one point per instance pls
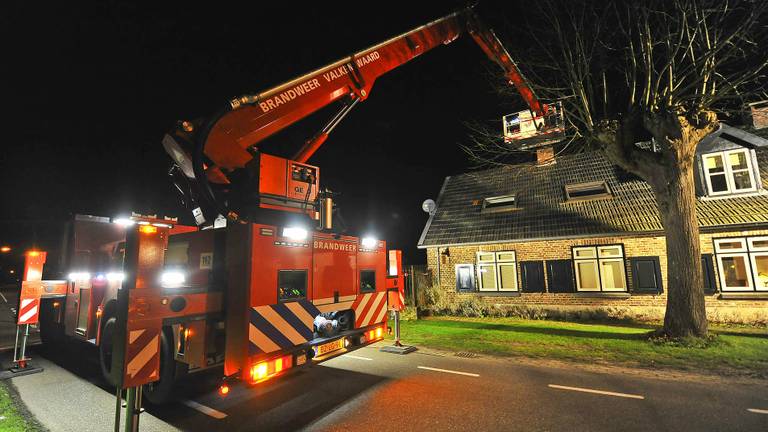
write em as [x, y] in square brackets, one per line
[499, 261]
[729, 173]
[748, 252]
[755, 275]
[721, 272]
[598, 257]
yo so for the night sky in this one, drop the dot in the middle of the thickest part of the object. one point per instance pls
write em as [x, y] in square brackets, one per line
[94, 86]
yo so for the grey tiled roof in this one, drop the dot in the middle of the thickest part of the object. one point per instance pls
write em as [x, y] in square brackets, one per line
[543, 212]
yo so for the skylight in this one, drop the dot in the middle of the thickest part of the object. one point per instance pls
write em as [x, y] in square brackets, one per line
[499, 204]
[587, 191]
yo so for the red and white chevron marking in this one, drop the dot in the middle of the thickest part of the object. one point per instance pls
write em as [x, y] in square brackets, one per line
[29, 311]
[370, 309]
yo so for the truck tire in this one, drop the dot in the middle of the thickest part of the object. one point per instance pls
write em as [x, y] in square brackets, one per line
[161, 391]
[105, 350]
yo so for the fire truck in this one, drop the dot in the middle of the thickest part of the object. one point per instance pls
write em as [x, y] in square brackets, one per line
[265, 282]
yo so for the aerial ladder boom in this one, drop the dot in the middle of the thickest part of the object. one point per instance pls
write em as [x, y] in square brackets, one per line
[228, 141]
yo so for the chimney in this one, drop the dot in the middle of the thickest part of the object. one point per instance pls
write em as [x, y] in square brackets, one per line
[759, 114]
[545, 155]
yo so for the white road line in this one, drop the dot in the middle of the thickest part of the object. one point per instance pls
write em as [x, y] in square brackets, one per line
[4, 299]
[356, 357]
[449, 371]
[601, 392]
[757, 411]
[205, 410]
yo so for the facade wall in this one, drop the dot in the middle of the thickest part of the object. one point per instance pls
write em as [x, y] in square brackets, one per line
[643, 306]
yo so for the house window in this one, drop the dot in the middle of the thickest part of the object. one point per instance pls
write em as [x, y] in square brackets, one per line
[742, 263]
[599, 268]
[587, 191]
[729, 172]
[497, 271]
[498, 204]
[465, 278]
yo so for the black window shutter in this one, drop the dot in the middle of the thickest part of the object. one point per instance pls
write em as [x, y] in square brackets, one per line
[708, 274]
[646, 275]
[560, 276]
[533, 276]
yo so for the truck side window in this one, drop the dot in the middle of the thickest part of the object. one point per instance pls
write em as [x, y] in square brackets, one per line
[367, 280]
[291, 284]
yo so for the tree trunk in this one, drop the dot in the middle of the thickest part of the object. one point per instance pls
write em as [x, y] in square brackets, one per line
[685, 315]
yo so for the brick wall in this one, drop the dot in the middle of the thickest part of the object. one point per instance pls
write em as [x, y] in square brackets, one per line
[642, 306]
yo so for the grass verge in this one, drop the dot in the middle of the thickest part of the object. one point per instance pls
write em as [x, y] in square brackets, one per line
[13, 416]
[733, 351]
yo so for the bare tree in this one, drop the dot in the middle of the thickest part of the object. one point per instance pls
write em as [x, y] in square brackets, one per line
[634, 72]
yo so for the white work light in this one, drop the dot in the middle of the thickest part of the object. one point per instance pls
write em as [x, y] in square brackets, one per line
[79, 276]
[172, 278]
[295, 233]
[124, 221]
[115, 276]
[369, 242]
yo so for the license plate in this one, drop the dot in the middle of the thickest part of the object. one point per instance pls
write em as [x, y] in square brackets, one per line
[330, 346]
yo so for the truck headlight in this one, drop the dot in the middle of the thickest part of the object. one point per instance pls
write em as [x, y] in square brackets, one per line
[369, 242]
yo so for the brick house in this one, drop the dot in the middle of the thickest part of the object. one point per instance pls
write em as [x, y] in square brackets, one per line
[581, 233]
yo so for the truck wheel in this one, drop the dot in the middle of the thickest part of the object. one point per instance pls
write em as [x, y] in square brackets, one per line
[160, 391]
[105, 350]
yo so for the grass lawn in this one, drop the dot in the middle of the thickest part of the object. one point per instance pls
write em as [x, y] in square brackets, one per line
[12, 419]
[734, 351]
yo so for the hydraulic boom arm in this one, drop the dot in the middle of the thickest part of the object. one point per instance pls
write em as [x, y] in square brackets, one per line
[229, 139]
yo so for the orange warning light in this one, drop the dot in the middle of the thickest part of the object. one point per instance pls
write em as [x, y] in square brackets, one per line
[33, 253]
[259, 371]
[378, 332]
[148, 229]
[5, 249]
[224, 390]
[278, 365]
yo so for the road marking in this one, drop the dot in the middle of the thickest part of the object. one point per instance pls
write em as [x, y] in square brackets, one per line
[757, 411]
[356, 357]
[602, 392]
[449, 371]
[4, 299]
[205, 410]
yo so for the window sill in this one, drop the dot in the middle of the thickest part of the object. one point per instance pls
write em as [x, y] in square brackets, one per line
[743, 296]
[600, 294]
[498, 293]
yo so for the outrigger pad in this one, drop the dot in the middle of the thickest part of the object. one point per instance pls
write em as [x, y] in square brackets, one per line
[16, 372]
[394, 349]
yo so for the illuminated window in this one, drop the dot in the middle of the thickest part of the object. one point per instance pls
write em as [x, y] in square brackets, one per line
[465, 278]
[742, 263]
[729, 172]
[497, 271]
[600, 268]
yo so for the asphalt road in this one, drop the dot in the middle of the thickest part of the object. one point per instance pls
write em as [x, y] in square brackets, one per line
[370, 390]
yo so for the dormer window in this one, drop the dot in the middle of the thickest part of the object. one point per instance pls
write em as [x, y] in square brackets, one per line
[587, 191]
[499, 204]
[729, 172]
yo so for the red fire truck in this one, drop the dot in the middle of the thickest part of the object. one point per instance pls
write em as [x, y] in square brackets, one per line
[265, 282]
